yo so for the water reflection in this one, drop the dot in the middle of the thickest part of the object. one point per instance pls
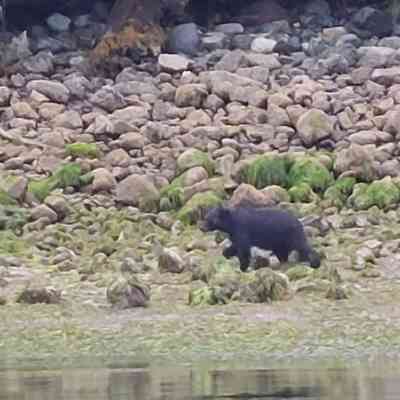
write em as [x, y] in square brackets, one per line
[202, 383]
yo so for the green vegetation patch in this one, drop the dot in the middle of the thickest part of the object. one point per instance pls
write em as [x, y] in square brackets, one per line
[382, 193]
[6, 199]
[67, 175]
[338, 193]
[302, 193]
[311, 171]
[265, 171]
[89, 150]
[13, 218]
[171, 196]
[195, 158]
[194, 209]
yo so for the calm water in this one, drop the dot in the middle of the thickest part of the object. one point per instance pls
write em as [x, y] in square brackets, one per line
[365, 381]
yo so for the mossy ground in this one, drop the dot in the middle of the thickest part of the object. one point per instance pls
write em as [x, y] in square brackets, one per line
[84, 324]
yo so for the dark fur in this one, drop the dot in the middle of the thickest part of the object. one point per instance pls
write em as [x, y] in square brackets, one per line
[266, 228]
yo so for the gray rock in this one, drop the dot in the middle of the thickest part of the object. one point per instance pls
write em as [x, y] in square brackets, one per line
[103, 180]
[374, 56]
[214, 41]
[58, 22]
[55, 91]
[5, 95]
[232, 28]
[41, 63]
[108, 98]
[138, 191]
[190, 95]
[368, 22]
[44, 211]
[231, 61]
[313, 126]
[184, 38]
[173, 63]
[170, 261]
[263, 45]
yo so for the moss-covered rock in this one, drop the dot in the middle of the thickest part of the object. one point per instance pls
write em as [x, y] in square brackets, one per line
[89, 150]
[13, 218]
[382, 193]
[302, 193]
[172, 195]
[299, 272]
[337, 194]
[129, 292]
[194, 158]
[311, 171]
[10, 244]
[267, 170]
[263, 286]
[202, 296]
[194, 209]
[67, 175]
[6, 199]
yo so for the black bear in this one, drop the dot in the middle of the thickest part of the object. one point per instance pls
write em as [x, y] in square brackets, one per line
[266, 228]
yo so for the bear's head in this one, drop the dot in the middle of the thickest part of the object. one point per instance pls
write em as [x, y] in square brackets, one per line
[217, 218]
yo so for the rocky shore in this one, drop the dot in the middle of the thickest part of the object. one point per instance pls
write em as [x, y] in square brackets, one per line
[104, 178]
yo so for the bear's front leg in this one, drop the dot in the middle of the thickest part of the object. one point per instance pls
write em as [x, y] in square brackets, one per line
[244, 255]
[230, 251]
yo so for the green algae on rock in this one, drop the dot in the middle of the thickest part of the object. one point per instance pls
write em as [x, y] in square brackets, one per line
[267, 170]
[194, 209]
[302, 193]
[67, 175]
[311, 171]
[298, 272]
[195, 158]
[10, 244]
[129, 292]
[6, 199]
[172, 195]
[381, 193]
[202, 296]
[89, 150]
[337, 194]
[13, 218]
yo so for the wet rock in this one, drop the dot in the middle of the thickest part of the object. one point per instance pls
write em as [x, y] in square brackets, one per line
[125, 293]
[184, 39]
[230, 28]
[58, 22]
[368, 22]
